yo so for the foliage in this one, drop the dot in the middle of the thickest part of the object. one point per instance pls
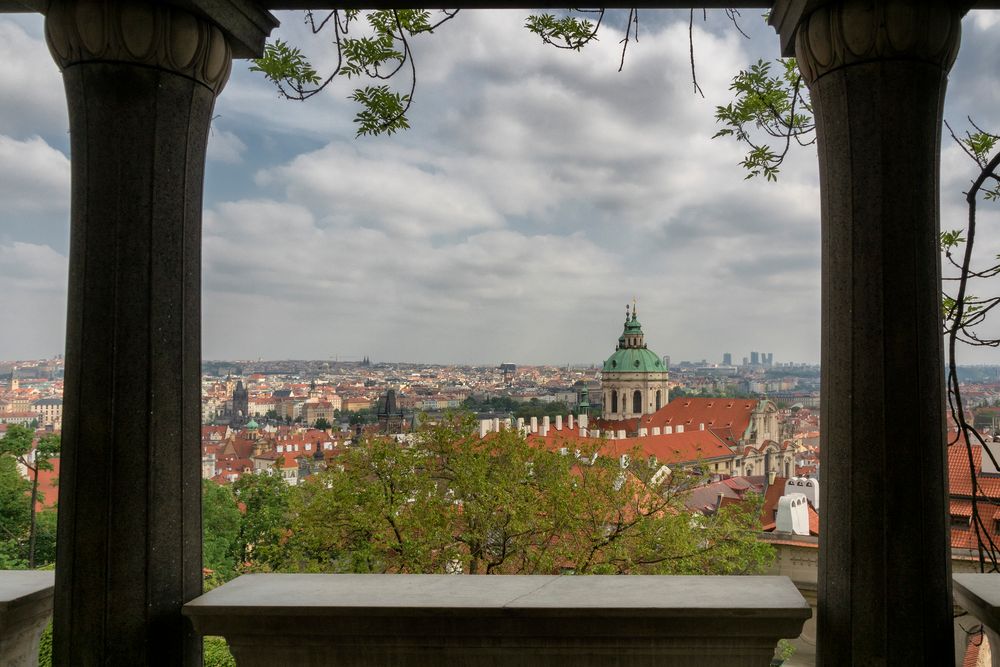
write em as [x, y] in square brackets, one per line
[45, 647]
[566, 32]
[322, 423]
[216, 653]
[455, 503]
[776, 106]
[378, 55]
[18, 447]
[263, 527]
[220, 522]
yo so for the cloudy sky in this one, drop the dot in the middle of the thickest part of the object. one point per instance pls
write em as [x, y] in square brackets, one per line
[537, 193]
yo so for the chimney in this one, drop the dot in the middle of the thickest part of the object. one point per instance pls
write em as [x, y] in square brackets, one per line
[621, 434]
[701, 427]
[680, 428]
[520, 423]
[558, 422]
[534, 424]
[545, 424]
[583, 421]
[656, 430]
[668, 430]
[610, 435]
[792, 515]
[496, 424]
[718, 501]
[570, 418]
[988, 467]
[506, 423]
[594, 433]
[642, 433]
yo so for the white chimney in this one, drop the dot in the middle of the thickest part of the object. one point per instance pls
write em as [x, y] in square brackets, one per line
[642, 433]
[624, 461]
[656, 430]
[596, 433]
[793, 514]
[583, 421]
[680, 428]
[506, 423]
[807, 487]
[668, 430]
[701, 427]
[570, 418]
[621, 434]
[545, 424]
[583, 433]
[520, 423]
[558, 422]
[544, 431]
[989, 468]
[496, 424]
[534, 424]
[610, 435]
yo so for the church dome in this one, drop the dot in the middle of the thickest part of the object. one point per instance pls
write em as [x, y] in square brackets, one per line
[632, 355]
[633, 360]
[251, 425]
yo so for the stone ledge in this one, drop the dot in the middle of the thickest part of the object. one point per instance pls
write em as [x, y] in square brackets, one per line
[979, 594]
[500, 620]
[25, 609]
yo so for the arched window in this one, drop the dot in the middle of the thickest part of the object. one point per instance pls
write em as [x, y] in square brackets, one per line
[658, 399]
[637, 402]
[614, 401]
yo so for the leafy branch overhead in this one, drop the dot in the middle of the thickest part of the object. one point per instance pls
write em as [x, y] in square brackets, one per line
[378, 55]
[772, 107]
[384, 51]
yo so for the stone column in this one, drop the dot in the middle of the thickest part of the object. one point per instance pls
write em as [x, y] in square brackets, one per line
[877, 73]
[141, 79]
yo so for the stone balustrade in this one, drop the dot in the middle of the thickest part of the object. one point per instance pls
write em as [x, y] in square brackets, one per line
[410, 620]
[25, 609]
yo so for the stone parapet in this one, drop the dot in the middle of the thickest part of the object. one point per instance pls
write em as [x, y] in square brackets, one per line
[410, 620]
[25, 610]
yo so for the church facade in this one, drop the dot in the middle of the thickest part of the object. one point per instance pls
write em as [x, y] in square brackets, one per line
[633, 379]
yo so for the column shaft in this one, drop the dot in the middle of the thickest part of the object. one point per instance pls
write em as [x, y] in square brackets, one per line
[141, 81]
[877, 80]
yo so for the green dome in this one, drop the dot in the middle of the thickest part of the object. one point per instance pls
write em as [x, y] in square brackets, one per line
[633, 360]
[252, 425]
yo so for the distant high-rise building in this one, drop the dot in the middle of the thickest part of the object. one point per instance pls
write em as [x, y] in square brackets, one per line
[746, 362]
[666, 361]
[755, 358]
[727, 359]
[769, 359]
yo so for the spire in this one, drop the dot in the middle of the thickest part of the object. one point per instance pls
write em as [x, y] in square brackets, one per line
[635, 308]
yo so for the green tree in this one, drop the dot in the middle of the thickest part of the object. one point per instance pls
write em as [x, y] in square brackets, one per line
[264, 522]
[455, 502]
[15, 515]
[19, 444]
[322, 423]
[220, 523]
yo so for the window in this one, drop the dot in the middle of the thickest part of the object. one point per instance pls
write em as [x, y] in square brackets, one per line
[614, 401]
[637, 402]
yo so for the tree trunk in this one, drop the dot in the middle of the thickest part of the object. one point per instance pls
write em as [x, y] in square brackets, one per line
[31, 530]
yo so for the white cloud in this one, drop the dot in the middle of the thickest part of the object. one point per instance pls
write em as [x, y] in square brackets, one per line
[32, 100]
[32, 267]
[33, 176]
[225, 147]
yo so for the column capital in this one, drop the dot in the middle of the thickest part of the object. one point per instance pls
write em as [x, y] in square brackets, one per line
[840, 34]
[148, 34]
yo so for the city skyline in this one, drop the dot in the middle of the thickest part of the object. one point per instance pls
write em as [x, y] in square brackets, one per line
[537, 192]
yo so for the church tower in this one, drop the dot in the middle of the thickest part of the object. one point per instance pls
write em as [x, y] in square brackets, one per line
[634, 379]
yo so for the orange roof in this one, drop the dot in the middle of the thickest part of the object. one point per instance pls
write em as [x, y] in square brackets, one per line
[674, 448]
[47, 486]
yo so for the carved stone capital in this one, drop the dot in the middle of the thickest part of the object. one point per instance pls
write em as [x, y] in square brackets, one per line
[855, 31]
[142, 33]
